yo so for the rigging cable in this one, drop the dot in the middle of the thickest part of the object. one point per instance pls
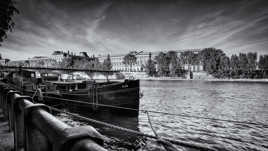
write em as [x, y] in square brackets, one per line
[181, 143]
[167, 145]
[159, 112]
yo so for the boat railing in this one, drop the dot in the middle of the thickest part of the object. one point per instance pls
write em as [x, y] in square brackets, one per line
[35, 128]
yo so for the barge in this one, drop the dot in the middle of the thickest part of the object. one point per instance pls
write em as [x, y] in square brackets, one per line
[114, 96]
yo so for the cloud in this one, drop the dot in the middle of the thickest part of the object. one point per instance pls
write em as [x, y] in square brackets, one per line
[105, 26]
[45, 26]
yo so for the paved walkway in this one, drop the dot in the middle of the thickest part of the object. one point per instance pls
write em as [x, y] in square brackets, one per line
[6, 137]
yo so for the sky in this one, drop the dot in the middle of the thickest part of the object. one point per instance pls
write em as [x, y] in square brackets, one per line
[120, 26]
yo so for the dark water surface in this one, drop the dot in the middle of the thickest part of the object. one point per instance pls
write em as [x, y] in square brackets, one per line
[222, 100]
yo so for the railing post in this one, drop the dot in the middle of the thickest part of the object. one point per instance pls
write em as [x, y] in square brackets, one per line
[4, 105]
[10, 109]
[19, 133]
[1, 94]
[33, 135]
[62, 136]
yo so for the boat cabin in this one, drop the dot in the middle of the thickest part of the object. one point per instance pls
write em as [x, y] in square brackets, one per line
[69, 86]
[26, 79]
[52, 76]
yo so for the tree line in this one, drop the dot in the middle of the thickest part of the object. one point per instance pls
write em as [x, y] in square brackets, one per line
[8, 10]
[214, 62]
[6, 60]
[84, 62]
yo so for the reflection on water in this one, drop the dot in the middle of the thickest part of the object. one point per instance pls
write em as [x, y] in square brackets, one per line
[234, 101]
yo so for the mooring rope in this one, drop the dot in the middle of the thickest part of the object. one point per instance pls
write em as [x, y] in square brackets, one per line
[34, 94]
[181, 143]
[168, 146]
[159, 112]
[151, 125]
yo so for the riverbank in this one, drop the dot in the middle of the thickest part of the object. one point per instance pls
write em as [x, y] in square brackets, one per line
[238, 80]
[163, 79]
[206, 80]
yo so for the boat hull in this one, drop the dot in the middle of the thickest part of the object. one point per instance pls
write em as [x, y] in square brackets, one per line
[118, 98]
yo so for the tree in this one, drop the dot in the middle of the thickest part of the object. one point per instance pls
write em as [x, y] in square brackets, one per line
[189, 57]
[27, 63]
[40, 63]
[8, 10]
[234, 66]
[252, 60]
[80, 64]
[211, 59]
[150, 66]
[169, 64]
[162, 64]
[6, 61]
[224, 67]
[263, 65]
[66, 62]
[243, 65]
[130, 59]
[263, 62]
[215, 62]
[107, 64]
[243, 61]
[173, 62]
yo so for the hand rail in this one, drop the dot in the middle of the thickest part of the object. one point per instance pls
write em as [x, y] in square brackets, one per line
[35, 128]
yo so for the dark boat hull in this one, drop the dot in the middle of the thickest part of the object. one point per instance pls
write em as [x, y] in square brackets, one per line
[112, 97]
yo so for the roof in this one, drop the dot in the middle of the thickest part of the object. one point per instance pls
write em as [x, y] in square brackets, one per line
[66, 82]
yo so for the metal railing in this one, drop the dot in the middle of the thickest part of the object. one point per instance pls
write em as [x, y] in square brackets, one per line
[35, 129]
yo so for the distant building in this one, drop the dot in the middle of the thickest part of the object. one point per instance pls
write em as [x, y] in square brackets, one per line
[37, 61]
[142, 58]
[49, 61]
[116, 60]
[2, 61]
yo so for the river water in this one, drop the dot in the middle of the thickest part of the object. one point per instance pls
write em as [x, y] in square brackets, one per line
[222, 100]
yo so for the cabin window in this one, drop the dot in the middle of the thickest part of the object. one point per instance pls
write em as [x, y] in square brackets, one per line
[32, 75]
[72, 87]
[61, 87]
[82, 86]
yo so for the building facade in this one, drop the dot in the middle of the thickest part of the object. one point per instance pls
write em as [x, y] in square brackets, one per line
[142, 58]
[38, 61]
[116, 60]
[2, 62]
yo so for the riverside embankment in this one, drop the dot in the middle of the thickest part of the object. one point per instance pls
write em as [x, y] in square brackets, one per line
[206, 80]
